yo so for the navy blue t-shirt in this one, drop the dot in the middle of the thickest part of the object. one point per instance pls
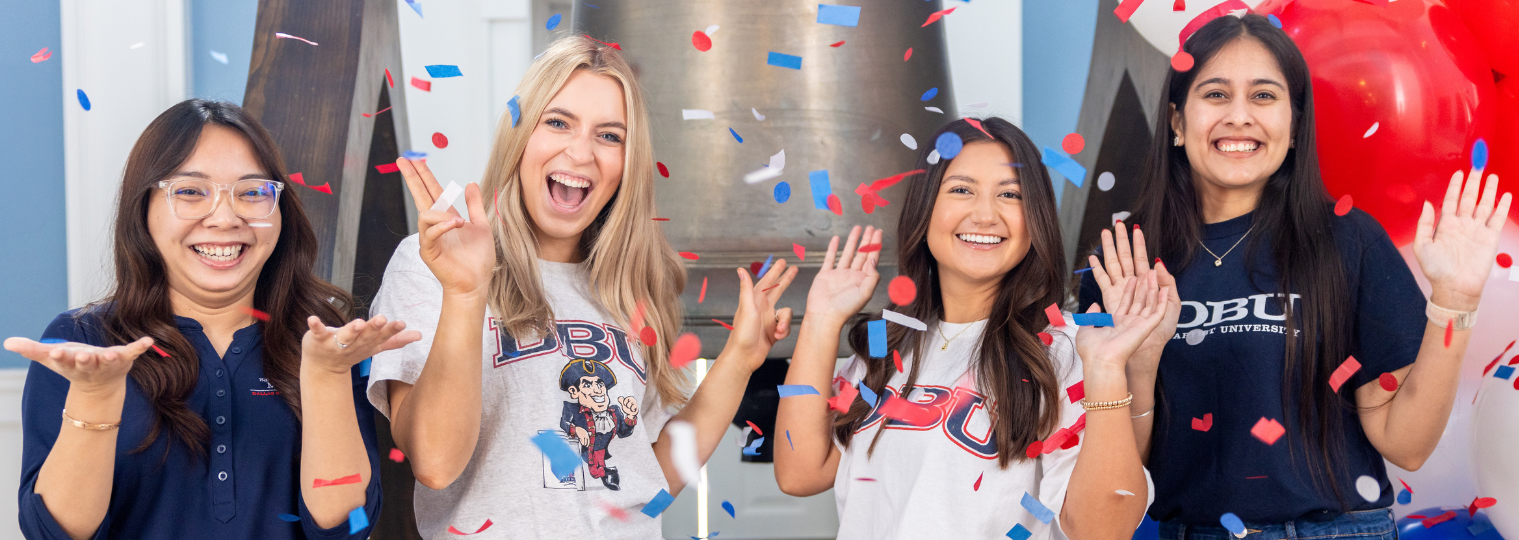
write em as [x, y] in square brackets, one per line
[1236, 374]
[250, 476]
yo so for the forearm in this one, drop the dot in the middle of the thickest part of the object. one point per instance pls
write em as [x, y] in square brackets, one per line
[711, 409]
[801, 464]
[76, 479]
[1108, 462]
[438, 422]
[1142, 385]
[332, 446]
[1415, 418]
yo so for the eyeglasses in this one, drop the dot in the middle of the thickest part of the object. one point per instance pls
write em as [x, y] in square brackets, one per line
[195, 198]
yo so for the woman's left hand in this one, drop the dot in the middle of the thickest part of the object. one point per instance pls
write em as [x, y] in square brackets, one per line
[1457, 254]
[757, 325]
[1138, 312]
[337, 350]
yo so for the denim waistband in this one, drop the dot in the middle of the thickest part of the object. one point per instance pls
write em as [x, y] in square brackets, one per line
[1376, 523]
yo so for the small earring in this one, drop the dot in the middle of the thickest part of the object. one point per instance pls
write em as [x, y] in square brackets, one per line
[1176, 141]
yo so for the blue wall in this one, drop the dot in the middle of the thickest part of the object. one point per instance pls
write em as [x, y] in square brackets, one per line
[34, 273]
[224, 26]
[1057, 51]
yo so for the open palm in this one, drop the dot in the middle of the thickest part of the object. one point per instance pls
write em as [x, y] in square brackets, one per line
[1123, 262]
[1456, 254]
[85, 366]
[461, 254]
[846, 282]
[1138, 311]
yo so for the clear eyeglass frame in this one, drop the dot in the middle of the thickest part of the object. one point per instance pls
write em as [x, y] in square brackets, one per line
[216, 198]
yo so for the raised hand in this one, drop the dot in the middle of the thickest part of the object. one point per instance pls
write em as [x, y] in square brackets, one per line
[1122, 263]
[846, 281]
[461, 254]
[87, 367]
[1457, 253]
[757, 325]
[629, 405]
[1137, 313]
[338, 349]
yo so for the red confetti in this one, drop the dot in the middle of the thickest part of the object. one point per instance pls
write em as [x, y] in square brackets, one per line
[870, 248]
[1504, 260]
[397, 455]
[755, 267]
[1182, 61]
[842, 400]
[1080, 424]
[896, 360]
[663, 170]
[423, 85]
[1206, 17]
[612, 45]
[1405, 486]
[801, 251]
[160, 351]
[324, 188]
[1442, 518]
[701, 41]
[255, 313]
[1034, 449]
[909, 412]
[613, 511]
[1071, 442]
[1388, 381]
[1076, 391]
[865, 479]
[689, 255]
[1126, 9]
[350, 479]
[703, 295]
[687, 348]
[756, 428]
[297, 178]
[1343, 373]
[902, 291]
[725, 325]
[1073, 143]
[1343, 206]
[1056, 318]
[387, 168]
[1180, 5]
[376, 113]
[1046, 338]
[839, 44]
[834, 205]
[907, 55]
[977, 487]
[388, 80]
[977, 124]
[1268, 430]
[648, 336]
[1478, 504]
[936, 16]
[660, 219]
[770, 287]
[1203, 424]
[1450, 331]
[439, 140]
[482, 528]
[42, 56]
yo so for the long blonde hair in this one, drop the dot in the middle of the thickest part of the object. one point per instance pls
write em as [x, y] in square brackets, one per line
[632, 268]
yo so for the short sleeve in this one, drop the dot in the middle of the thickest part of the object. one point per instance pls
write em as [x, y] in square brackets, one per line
[1390, 319]
[408, 293]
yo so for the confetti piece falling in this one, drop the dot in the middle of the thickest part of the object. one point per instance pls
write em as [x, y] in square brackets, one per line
[415, 6]
[350, 479]
[1196, 336]
[282, 35]
[1450, 329]
[1073, 143]
[160, 351]
[1268, 430]
[906, 411]
[357, 520]
[712, 29]
[397, 455]
[219, 57]
[735, 136]
[1232, 523]
[782, 192]
[1105, 180]
[901, 290]
[838, 15]
[683, 450]
[1405, 497]
[870, 248]
[867, 394]
[977, 485]
[1505, 260]
[934, 109]
[1343, 373]
[929, 94]
[1203, 424]
[1442, 518]
[137, 45]
[648, 336]
[1038, 509]
[292, 518]
[1368, 488]
[1126, 9]
[1372, 130]
[754, 427]
[1479, 154]
[1092, 319]
[909, 142]
[515, 107]
[836, 45]
[658, 504]
[1478, 504]
[701, 41]
[896, 360]
[1388, 381]
[728, 507]
[439, 140]
[907, 54]
[1343, 206]
[903, 320]
[488, 523]
[753, 448]
[388, 80]
[1077, 391]
[725, 325]
[784, 60]
[820, 188]
[764, 267]
[703, 295]
[553, 22]
[936, 16]
[663, 170]
[877, 333]
[84, 100]
[1034, 449]
[446, 200]
[842, 400]
[948, 145]
[255, 313]
[1019, 532]
[1056, 318]
[612, 45]
[1179, 5]
[696, 114]
[793, 390]
[1125, 492]
[800, 251]
[425, 86]
[1182, 61]
[1064, 165]
[376, 113]
[562, 459]
[1046, 338]
[689, 256]
[45, 54]
[687, 347]
[443, 71]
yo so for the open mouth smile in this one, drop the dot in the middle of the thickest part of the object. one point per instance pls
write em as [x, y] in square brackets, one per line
[568, 191]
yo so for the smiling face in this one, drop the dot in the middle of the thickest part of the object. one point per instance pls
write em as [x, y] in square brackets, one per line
[591, 393]
[573, 162]
[214, 260]
[1237, 122]
[977, 232]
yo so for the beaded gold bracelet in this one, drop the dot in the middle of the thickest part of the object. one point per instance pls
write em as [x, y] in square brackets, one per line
[87, 425]
[1105, 405]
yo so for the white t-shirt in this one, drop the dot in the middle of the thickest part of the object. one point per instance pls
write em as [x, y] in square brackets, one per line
[508, 480]
[921, 481]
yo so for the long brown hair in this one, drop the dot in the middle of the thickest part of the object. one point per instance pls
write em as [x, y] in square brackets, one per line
[1293, 215]
[287, 289]
[1010, 350]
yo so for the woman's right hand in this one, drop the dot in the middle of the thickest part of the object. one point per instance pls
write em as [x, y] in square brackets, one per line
[1123, 262]
[461, 254]
[846, 282]
[88, 368]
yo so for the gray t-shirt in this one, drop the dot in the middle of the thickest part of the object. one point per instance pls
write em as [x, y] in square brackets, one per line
[585, 383]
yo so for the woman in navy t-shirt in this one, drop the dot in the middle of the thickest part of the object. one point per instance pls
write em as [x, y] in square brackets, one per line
[205, 397]
[1262, 413]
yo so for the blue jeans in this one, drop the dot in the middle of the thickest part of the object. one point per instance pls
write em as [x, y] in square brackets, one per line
[1359, 525]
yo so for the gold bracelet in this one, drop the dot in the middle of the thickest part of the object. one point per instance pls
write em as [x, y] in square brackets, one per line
[1105, 405]
[87, 425]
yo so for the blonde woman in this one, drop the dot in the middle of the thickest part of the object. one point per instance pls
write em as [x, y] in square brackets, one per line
[551, 313]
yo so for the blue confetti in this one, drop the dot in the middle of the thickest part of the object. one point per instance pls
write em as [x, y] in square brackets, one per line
[562, 459]
[793, 390]
[877, 338]
[735, 135]
[1092, 319]
[820, 189]
[409, 154]
[729, 507]
[53, 340]
[415, 6]
[1274, 21]
[593, 7]
[765, 267]
[84, 101]
[1064, 165]
[1083, 270]
[1479, 527]
[838, 15]
[1504, 372]
[658, 504]
[1038, 509]
[364, 367]
[515, 108]
[753, 448]
[1232, 523]
[1019, 532]
[357, 521]
[442, 71]
[553, 22]
[929, 94]
[1479, 148]
[868, 395]
[1405, 497]
[784, 60]
[788, 440]
[948, 144]
[782, 192]
[289, 517]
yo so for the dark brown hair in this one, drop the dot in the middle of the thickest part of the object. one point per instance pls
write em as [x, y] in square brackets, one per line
[1292, 216]
[1010, 350]
[287, 289]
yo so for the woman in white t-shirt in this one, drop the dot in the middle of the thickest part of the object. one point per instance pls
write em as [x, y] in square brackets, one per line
[990, 439]
[548, 320]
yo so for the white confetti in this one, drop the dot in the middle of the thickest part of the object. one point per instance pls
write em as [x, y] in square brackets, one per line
[1372, 130]
[909, 141]
[777, 163]
[219, 57]
[261, 224]
[1369, 488]
[904, 320]
[1125, 493]
[450, 194]
[710, 30]
[977, 105]
[934, 109]
[683, 450]
[137, 45]
[696, 114]
[1120, 216]
[757, 115]
[933, 156]
[283, 35]
[1105, 181]
[1196, 336]
[1513, 273]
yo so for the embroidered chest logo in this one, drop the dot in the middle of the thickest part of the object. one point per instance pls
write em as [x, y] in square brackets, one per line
[270, 391]
[602, 343]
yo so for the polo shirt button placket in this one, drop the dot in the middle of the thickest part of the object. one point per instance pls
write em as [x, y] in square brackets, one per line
[223, 496]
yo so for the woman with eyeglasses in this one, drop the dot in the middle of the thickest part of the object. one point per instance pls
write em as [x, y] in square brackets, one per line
[205, 397]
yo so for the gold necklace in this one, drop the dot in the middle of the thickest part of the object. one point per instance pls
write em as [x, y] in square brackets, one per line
[947, 339]
[1218, 260]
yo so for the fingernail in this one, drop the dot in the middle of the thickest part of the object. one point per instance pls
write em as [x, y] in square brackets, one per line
[1136, 226]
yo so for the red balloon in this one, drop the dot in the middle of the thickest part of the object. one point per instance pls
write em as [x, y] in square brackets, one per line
[1503, 148]
[1495, 24]
[1417, 73]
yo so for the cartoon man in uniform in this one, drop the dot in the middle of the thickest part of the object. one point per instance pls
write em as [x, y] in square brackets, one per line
[591, 417]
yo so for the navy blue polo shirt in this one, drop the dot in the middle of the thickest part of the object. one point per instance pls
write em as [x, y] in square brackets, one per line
[1236, 371]
[249, 477]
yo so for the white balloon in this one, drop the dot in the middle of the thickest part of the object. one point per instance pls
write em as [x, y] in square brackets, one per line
[1159, 25]
[1494, 436]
